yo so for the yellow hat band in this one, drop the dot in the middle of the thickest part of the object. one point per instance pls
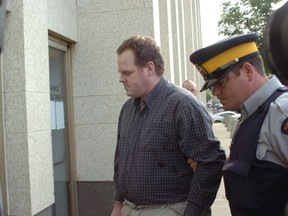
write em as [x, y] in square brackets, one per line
[229, 55]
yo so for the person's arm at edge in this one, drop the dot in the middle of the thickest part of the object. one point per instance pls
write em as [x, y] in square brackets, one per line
[207, 177]
[117, 209]
[118, 203]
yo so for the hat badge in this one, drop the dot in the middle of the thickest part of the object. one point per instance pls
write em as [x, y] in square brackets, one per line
[201, 70]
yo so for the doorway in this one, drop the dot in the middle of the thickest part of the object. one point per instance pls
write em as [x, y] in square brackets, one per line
[61, 118]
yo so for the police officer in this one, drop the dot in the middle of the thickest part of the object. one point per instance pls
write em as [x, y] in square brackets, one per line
[256, 172]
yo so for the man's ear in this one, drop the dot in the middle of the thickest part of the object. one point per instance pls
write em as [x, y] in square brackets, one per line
[150, 68]
[249, 71]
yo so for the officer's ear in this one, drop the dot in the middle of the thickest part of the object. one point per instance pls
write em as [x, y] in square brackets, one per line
[248, 70]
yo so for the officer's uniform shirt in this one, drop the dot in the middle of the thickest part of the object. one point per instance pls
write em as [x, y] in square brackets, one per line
[273, 138]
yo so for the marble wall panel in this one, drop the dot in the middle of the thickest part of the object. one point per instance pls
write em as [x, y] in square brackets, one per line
[173, 34]
[92, 6]
[166, 55]
[95, 60]
[15, 113]
[94, 63]
[36, 46]
[95, 151]
[13, 59]
[163, 17]
[25, 16]
[181, 44]
[62, 18]
[164, 37]
[27, 108]
[99, 109]
[41, 170]
[18, 174]
[38, 111]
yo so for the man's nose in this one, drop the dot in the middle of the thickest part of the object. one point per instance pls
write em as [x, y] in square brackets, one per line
[215, 90]
[121, 78]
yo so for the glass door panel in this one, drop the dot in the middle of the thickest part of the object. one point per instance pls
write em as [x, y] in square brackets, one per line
[60, 138]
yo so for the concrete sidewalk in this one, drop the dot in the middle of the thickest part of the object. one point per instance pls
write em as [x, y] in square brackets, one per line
[220, 206]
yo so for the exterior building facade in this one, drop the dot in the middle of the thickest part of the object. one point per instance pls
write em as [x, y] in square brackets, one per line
[60, 95]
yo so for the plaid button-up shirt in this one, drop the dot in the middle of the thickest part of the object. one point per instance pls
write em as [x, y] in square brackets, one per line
[154, 144]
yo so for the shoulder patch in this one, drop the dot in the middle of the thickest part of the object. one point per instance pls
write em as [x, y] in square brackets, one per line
[284, 127]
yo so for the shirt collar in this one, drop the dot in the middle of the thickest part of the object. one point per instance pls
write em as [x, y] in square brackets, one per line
[259, 97]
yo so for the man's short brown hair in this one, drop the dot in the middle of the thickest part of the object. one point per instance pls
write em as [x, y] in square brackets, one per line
[145, 49]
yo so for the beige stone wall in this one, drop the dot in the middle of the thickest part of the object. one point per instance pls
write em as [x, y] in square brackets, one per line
[27, 108]
[62, 18]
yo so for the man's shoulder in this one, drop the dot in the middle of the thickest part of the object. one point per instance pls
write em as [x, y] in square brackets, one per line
[128, 103]
[178, 93]
[183, 98]
[281, 103]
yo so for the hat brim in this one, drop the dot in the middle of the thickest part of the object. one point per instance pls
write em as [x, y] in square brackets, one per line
[212, 81]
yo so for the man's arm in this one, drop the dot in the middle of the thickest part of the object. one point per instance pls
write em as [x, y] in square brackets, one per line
[117, 209]
[199, 144]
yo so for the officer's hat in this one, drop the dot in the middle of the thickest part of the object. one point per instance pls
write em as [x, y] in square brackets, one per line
[216, 60]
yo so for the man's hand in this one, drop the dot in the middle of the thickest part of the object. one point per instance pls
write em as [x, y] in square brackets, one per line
[117, 210]
[193, 164]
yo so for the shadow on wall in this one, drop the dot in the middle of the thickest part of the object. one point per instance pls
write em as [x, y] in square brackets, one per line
[100, 196]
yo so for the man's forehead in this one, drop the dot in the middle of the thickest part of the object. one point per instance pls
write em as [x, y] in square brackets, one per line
[190, 83]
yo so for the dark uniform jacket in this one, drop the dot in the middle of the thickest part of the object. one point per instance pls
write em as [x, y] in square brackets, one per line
[254, 187]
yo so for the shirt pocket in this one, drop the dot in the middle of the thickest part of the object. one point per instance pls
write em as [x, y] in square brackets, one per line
[160, 136]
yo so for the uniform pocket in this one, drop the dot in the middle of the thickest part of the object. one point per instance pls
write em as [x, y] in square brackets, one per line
[240, 184]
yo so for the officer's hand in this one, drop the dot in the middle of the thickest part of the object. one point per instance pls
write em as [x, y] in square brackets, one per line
[193, 164]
